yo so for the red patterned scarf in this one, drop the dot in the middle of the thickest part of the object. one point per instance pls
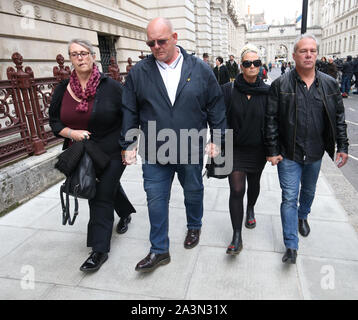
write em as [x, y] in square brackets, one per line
[90, 90]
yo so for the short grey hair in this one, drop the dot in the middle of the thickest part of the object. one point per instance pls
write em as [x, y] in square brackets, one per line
[304, 36]
[249, 48]
[84, 43]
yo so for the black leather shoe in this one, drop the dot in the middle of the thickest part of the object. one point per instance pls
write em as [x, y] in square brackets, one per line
[192, 238]
[290, 256]
[122, 225]
[236, 244]
[250, 222]
[152, 261]
[303, 227]
[94, 261]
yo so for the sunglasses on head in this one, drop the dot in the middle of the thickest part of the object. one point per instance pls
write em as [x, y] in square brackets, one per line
[160, 42]
[248, 63]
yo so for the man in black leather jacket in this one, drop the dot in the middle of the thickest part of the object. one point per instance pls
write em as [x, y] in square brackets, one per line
[304, 118]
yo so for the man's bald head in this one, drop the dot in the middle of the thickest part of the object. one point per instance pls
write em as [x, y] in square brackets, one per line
[160, 23]
[162, 40]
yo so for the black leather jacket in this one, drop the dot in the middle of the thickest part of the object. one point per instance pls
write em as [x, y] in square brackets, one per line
[281, 116]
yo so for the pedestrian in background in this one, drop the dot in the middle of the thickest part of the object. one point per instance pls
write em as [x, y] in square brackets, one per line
[332, 68]
[221, 72]
[347, 74]
[232, 68]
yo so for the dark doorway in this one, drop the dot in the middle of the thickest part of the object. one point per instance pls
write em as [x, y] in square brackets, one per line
[107, 50]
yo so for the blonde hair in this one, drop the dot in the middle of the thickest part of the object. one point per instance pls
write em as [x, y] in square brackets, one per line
[249, 48]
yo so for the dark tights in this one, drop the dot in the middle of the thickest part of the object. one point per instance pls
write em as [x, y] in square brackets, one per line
[237, 181]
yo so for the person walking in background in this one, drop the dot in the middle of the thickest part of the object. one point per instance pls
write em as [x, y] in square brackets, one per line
[347, 74]
[232, 68]
[221, 72]
[283, 68]
[246, 102]
[88, 106]
[175, 91]
[332, 68]
[206, 60]
[355, 72]
[299, 128]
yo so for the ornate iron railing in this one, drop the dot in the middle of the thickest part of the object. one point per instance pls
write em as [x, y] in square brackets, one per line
[24, 107]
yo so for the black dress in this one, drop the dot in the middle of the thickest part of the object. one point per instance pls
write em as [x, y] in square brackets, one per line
[246, 118]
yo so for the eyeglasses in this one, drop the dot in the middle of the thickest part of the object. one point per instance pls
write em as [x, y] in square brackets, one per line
[83, 54]
[160, 42]
[248, 63]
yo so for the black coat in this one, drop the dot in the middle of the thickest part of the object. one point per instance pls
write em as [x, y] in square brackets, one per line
[281, 116]
[233, 69]
[106, 117]
[105, 125]
[199, 102]
[222, 74]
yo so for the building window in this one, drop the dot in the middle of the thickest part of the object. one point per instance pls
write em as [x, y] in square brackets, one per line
[107, 50]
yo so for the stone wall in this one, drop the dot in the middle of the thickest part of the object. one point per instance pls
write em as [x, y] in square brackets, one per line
[40, 29]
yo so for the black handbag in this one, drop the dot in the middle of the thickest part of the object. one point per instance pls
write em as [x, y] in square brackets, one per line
[213, 169]
[81, 183]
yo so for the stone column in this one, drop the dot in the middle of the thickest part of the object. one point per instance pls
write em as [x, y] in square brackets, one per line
[216, 13]
[225, 37]
[203, 28]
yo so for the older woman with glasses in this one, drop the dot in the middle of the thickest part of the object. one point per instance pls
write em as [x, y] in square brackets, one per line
[88, 106]
[246, 101]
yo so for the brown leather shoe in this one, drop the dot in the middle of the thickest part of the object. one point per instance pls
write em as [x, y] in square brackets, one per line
[152, 261]
[192, 238]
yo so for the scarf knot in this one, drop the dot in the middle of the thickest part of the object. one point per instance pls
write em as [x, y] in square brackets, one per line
[257, 88]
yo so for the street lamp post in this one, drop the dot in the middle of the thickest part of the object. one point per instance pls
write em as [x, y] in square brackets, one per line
[304, 16]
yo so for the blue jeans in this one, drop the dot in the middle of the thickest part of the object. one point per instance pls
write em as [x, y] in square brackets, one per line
[157, 184]
[346, 84]
[291, 174]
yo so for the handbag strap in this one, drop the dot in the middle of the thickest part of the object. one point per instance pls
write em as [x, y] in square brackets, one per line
[227, 112]
[231, 92]
[66, 217]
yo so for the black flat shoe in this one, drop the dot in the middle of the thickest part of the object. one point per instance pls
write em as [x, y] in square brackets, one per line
[303, 227]
[236, 244]
[122, 225]
[94, 262]
[290, 256]
[152, 261]
[250, 222]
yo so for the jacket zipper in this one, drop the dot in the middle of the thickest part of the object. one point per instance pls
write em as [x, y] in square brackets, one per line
[294, 137]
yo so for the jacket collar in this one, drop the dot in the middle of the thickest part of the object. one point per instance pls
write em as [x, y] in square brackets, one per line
[153, 73]
[298, 78]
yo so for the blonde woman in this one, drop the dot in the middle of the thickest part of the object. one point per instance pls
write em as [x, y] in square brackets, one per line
[246, 103]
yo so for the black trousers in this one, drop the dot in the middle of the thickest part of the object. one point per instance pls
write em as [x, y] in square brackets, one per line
[109, 195]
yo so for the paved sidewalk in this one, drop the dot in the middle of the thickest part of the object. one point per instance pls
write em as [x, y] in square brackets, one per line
[35, 245]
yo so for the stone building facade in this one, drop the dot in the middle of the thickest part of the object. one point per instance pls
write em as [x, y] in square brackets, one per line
[339, 21]
[276, 41]
[40, 29]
